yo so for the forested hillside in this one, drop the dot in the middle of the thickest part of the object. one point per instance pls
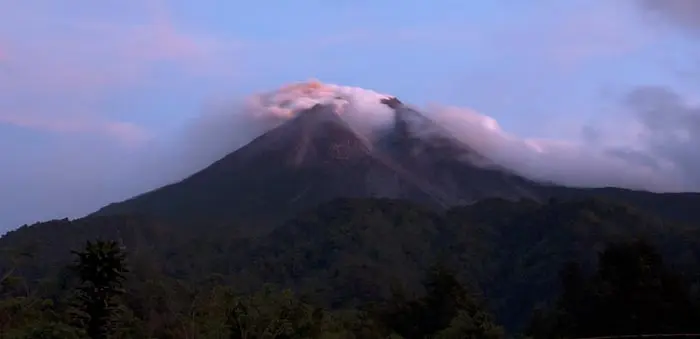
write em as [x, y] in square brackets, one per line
[354, 257]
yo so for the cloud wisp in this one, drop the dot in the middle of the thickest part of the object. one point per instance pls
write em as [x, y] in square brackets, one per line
[683, 14]
[56, 70]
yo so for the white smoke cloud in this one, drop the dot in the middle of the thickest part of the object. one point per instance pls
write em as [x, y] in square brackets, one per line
[586, 163]
[563, 162]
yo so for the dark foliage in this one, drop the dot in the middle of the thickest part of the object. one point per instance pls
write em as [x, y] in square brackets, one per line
[366, 268]
[101, 268]
[632, 292]
[214, 310]
[446, 311]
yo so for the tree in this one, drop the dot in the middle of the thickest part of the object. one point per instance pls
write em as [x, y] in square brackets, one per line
[638, 294]
[271, 314]
[52, 330]
[632, 292]
[447, 310]
[101, 268]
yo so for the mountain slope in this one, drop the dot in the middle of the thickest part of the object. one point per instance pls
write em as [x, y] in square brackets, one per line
[311, 158]
[462, 173]
[318, 156]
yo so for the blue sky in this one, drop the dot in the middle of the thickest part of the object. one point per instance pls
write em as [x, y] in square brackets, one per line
[85, 85]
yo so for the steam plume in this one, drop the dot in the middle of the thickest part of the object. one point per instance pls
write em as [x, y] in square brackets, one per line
[566, 163]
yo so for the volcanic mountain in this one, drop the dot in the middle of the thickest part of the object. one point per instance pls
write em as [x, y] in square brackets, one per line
[263, 215]
[337, 142]
[323, 152]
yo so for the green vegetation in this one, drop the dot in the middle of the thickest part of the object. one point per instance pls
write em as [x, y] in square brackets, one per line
[101, 268]
[102, 310]
[358, 268]
[632, 291]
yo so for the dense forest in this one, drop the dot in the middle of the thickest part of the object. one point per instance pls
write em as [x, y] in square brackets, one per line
[358, 268]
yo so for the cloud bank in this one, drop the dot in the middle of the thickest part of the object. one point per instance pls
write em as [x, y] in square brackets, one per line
[651, 159]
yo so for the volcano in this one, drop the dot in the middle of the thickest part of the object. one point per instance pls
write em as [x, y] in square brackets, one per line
[293, 208]
[336, 142]
[323, 151]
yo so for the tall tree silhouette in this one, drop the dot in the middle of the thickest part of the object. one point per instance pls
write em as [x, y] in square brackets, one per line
[639, 294]
[101, 267]
[447, 310]
[631, 293]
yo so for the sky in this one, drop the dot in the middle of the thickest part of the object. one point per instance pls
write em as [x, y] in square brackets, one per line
[100, 101]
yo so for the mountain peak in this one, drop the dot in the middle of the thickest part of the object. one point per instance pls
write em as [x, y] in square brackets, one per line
[334, 141]
[291, 99]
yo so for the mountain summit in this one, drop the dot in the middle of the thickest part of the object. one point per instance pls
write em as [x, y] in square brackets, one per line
[333, 142]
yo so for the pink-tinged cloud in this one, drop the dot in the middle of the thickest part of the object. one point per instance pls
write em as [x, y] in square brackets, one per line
[124, 132]
[54, 62]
